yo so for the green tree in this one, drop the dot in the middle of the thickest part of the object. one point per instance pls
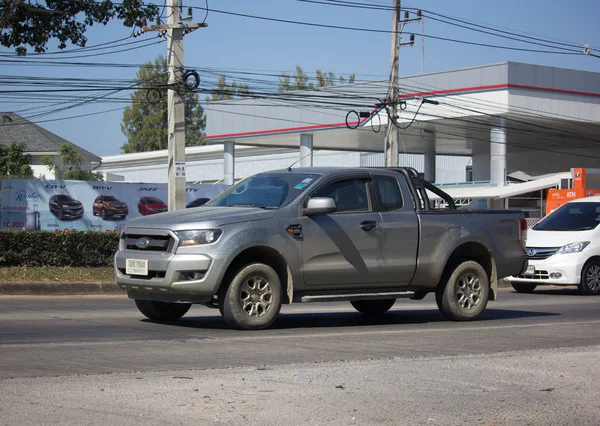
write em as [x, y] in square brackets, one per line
[301, 81]
[71, 165]
[226, 91]
[14, 163]
[145, 122]
[23, 23]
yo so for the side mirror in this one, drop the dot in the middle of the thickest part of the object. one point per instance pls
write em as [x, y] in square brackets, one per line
[320, 205]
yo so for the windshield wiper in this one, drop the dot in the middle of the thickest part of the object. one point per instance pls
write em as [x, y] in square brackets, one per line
[585, 228]
[252, 205]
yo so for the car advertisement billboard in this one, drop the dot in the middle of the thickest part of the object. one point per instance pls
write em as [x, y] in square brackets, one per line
[51, 205]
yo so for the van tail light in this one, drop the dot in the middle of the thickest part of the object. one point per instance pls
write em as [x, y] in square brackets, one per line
[523, 234]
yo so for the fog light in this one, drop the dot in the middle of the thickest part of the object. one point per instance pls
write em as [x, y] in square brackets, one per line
[192, 275]
[555, 275]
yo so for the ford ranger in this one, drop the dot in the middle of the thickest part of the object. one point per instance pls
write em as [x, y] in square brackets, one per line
[364, 235]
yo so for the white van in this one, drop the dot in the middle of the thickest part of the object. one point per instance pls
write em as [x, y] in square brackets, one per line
[564, 249]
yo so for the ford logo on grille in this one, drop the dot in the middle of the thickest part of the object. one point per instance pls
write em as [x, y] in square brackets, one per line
[142, 243]
[531, 253]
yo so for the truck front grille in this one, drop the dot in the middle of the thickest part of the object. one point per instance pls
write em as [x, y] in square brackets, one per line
[156, 243]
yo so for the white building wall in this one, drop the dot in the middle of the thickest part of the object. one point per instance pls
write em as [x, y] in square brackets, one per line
[210, 170]
[449, 169]
[39, 169]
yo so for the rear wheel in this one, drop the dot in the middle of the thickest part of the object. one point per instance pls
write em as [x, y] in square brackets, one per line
[162, 311]
[590, 279]
[463, 295]
[523, 288]
[253, 298]
[373, 307]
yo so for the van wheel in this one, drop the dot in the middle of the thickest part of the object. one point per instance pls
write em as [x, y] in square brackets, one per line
[463, 295]
[373, 307]
[252, 299]
[162, 311]
[590, 279]
[523, 288]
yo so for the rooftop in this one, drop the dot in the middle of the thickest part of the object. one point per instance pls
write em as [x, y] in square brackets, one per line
[37, 140]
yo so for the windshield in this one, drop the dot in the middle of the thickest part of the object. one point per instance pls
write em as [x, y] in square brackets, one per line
[152, 200]
[272, 190]
[571, 217]
[109, 198]
[64, 198]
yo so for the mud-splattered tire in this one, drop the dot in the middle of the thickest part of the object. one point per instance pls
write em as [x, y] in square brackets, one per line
[463, 294]
[252, 299]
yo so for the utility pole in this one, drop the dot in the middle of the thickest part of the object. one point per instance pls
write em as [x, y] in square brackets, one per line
[176, 109]
[391, 137]
[422, 46]
[175, 29]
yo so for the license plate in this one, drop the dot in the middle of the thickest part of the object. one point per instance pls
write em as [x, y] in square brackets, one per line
[530, 270]
[136, 267]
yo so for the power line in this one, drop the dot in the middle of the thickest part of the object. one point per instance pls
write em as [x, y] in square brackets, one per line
[372, 30]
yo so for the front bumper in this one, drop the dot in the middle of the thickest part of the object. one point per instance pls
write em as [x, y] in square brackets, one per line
[569, 266]
[172, 277]
[72, 214]
[114, 212]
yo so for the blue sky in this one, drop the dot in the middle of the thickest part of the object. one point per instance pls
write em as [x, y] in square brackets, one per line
[241, 43]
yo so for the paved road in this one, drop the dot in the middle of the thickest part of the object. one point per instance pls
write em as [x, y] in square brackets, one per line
[66, 335]
[530, 360]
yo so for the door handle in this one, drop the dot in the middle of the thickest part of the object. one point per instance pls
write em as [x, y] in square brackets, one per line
[367, 225]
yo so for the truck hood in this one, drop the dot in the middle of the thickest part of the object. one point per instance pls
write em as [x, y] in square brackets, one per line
[201, 217]
[556, 238]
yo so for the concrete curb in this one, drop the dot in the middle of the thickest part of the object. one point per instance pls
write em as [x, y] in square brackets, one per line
[59, 289]
[74, 289]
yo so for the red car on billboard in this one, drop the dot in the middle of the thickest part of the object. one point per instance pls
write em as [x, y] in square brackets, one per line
[151, 205]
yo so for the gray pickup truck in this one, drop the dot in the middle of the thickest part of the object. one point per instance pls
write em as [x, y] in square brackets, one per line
[364, 235]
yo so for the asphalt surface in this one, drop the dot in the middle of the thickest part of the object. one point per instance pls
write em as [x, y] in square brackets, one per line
[531, 359]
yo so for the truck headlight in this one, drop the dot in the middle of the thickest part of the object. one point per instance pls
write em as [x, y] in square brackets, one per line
[573, 248]
[195, 237]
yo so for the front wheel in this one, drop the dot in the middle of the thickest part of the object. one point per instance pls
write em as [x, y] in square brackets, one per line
[463, 294]
[590, 279]
[162, 311]
[253, 298]
[373, 307]
[523, 288]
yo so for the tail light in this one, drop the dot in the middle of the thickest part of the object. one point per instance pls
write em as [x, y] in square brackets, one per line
[523, 234]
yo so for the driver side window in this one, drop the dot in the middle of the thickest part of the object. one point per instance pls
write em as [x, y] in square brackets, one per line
[350, 195]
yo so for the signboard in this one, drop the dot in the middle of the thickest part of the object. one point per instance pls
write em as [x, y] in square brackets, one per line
[180, 169]
[558, 197]
[49, 205]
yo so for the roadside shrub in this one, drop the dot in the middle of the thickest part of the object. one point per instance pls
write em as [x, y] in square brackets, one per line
[65, 248]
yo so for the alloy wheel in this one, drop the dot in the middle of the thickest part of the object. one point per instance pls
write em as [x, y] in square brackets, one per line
[256, 296]
[468, 291]
[592, 278]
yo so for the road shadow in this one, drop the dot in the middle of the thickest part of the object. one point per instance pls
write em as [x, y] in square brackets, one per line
[553, 291]
[308, 320]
